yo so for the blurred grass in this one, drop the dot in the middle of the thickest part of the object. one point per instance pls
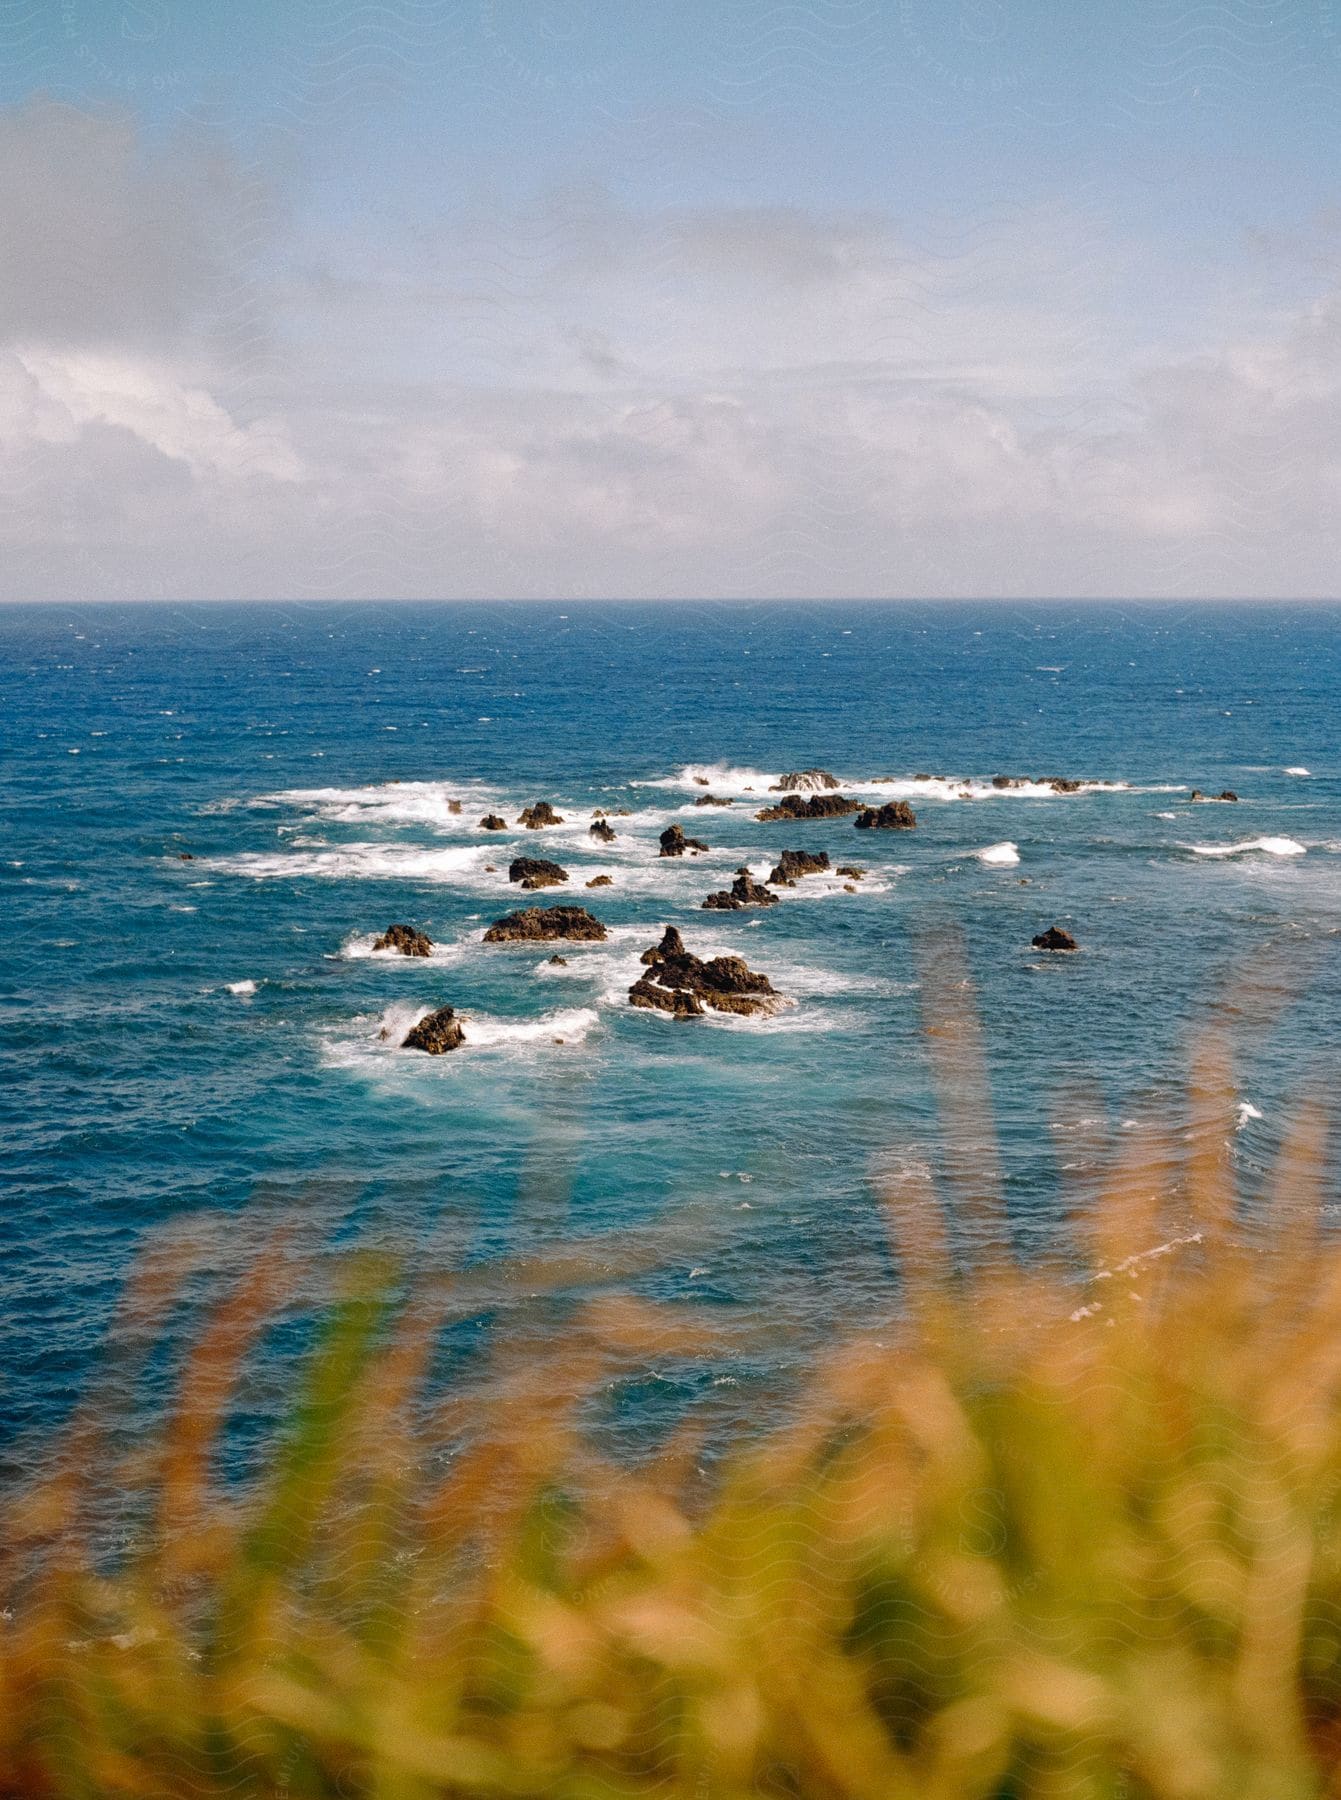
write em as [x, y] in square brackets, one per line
[1057, 1532]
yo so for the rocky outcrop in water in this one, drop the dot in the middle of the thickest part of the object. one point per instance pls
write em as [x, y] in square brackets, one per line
[744, 891]
[1054, 938]
[545, 923]
[1226, 794]
[542, 813]
[535, 872]
[804, 781]
[675, 843]
[602, 831]
[793, 864]
[406, 939]
[712, 800]
[894, 815]
[725, 983]
[817, 806]
[600, 881]
[437, 1034]
[492, 822]
[851, 871]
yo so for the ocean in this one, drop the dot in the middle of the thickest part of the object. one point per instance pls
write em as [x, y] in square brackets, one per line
[211, 811]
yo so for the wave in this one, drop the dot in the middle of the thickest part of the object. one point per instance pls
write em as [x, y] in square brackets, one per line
[999, 855]
[1296, 771]
[359, 862]
[359, 948]
[1269, 846]
[244, 989]
[374, 1041]
[733, 780]
[1247, 1111]
[392, 803]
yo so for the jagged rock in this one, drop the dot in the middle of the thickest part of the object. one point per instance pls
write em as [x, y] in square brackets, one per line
[818, 806]
[852, 870]
[600, 881]
[438, 1033]
[546, 922]
[848, 888]
[1054, 938]
[405, 939]
[726, 983]
[744, 891]
[1007, 781]
[542, 813]
[923, 776]
[1065, 784]
[1228, 794]
[804, 781]
[559, 962]
[675, 843]
[492, 822]
[534, 872]
[894, 815]
[453, 806]
[712, 800]
[599, 829]
[701, 780]
[792, 864]
[680, 1003]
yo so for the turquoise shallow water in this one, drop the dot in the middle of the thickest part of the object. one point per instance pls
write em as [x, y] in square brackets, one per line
[202, 1037]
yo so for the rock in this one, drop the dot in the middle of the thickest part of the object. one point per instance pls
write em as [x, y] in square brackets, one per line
[848, 888]
[792, 864]
[744, 891]
[701, 780]
[542, 813]
[185, 856]
[671, 945]
[894, 815]
[680, 1003]
[1064, 784]
[1054, 938]
[726, 983]
[712, 800]
[534, 872]
[599, 829]
[1007, 781]
[851, 870]
[923, 776]
[492, 822]
[818, 806]
[600, 881]
[541, 922]
[405, 939]
[1228, 794]
[437, 1034]
[675, 843]
[559, 962]
[804, 781]
[491, 868]
[453, 806]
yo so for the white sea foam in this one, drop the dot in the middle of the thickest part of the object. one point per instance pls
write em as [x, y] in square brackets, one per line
[717, 778]
[1297, 771]
[1247, 1111]
[376, 1040]
[360, 949]
[242, 988]
[458, 865]
[1269, 846]
[1001, 855]
[393, 803]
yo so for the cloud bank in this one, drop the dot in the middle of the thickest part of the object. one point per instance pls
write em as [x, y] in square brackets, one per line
[199, 400]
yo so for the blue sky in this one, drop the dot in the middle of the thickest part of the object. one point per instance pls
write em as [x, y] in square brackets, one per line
[560, 296]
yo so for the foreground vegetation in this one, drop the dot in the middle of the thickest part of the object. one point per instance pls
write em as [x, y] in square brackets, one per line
[1051, 1535]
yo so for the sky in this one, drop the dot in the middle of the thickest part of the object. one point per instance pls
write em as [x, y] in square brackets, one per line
[614, 298]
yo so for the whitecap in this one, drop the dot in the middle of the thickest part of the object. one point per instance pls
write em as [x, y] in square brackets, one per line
[1269, 846]
[371, 1041]
[1002, 855]
[1297, 771]
[359, 862]
[359, 948]
[715, 777]
[242, 988]
[1247, 1111]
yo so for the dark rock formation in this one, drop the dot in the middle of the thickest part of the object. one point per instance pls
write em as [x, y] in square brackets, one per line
[559, 962]
[851, 870]
[492, 822]
[534, 872]
[405, 939]
[712, 800]
[185, 856]
[544, 922]
[675, 843]
[542, 813]
[437, 1034]
[894, 815]
[1054, 938]
[1007, 781]
[601, 830]
[817, 806]
[792, 864]
[744, 891]
[600, 881]
[1065, 784]
[680, 1003]
[726, 983]
[804, 781]
[1228, 794]
[453, 806]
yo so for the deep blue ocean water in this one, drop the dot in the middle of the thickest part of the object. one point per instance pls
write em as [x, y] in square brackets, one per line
[200, 1039]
